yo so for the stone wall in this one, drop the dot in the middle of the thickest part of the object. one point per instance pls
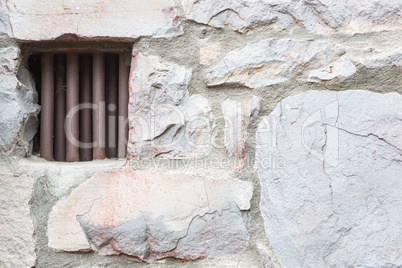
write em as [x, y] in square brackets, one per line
[263, 133]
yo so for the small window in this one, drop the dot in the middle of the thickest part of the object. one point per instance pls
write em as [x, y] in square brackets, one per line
[83, 93]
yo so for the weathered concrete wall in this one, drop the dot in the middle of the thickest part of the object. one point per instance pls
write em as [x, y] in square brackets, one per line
[262, 134]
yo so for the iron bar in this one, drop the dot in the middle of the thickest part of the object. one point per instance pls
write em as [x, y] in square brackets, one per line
[86, 111]
[47, 103]
[72, 102]
[84, 102]
[98, 69]
[60, 108]
[112, 66]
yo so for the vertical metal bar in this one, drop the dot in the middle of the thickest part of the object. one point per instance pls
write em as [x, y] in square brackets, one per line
[60, 108]
[98, 70]
[47, 102]
[111, 79]
[72, 118]
[124, 71]
[86, 113]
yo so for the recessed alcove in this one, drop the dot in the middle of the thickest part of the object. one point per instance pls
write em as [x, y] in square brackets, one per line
[83, 93]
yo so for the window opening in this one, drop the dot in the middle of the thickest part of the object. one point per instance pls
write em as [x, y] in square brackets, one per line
[83, 93]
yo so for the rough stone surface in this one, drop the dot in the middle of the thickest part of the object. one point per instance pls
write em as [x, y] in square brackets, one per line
[342, 67]
[62, 176]
[90, 19]
[163, 119]
[270, 62]
[234, 130]
[287, 48]
[5, 26]
[336, 200]
[209, 51]
[153, 215]
[16, 228]
[237, 115]
[314, 15]
[255, 107]
[17, 107]
[266, 261]
[389, 59]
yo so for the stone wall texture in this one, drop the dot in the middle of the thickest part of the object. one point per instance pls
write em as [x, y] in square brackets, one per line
[262, 133]
[341, 181]
[17, 243]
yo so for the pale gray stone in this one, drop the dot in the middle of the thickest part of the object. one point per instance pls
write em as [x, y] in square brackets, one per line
[163, 119]
[266, 260]
[255, 107]
[315, 15]
[333, 202]
[5, 27]
[33, 20]
[237, 114]
[63, 176]
[17, 244]
[153, 215]
[18, 109]
[130, 237]
[270, 62]
[342, 67]
[10, 119]
[9, 59]
[234, 130]
[217, 234]
[384, 59]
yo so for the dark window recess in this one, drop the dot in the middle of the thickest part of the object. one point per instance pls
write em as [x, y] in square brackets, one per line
[84, 100]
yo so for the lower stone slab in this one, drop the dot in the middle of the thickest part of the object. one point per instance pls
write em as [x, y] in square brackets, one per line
[153, 215]
[17, 248]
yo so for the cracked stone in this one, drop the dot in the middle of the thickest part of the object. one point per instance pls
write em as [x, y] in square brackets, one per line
[216, 234]
[345, 16]
[163, 119]
[333, 199]
[237, 115]
[16, 227]
[17, 106]
[153, 215]
[270, 62]
[33, 20]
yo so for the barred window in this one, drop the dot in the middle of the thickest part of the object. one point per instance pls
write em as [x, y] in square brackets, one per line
[83, 93]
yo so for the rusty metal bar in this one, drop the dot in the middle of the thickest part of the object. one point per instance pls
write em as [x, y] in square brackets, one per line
[98, 76]
[78, 50]
[60, 108]
[111, 67]
[86, 111]
[47, 102]
[124, 70]
[78, 47]
[72, 118]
